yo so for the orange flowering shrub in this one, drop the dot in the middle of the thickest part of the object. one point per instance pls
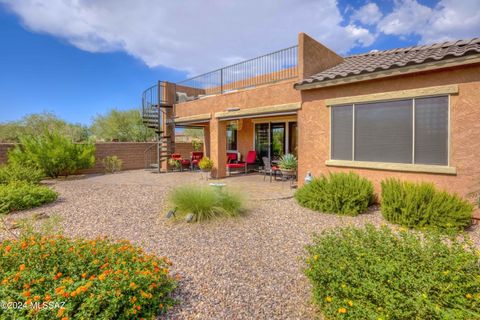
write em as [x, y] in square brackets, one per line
[53, 277]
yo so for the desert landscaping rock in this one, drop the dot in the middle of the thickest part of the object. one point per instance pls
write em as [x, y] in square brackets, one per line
[242, 268]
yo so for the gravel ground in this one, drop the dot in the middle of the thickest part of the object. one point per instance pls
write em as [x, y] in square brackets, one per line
[244, 268]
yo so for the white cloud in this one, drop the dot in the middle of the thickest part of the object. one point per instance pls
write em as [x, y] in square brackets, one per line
[450, 19]
[369, 14]
[191, 35]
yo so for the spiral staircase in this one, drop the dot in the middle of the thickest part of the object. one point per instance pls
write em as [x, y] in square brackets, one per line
[157, 114]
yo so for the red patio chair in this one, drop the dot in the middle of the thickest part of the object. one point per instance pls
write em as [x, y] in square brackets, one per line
[195, 158]
[184, 163]
[251, 161]
[232, 157]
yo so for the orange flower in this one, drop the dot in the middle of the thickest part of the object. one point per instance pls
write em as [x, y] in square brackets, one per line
[342, 310]
[5, 281]
[65, 318]
[8, 248]
[84, 275]
[24, 244]
[22, 267]
[58, 275]
[73, 294]
[60, 312]
[48, 297]
[101, 277]
[138, 307]
[26, 294]
[36, 298]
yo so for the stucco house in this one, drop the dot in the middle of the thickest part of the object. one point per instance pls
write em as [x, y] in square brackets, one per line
[412, 113]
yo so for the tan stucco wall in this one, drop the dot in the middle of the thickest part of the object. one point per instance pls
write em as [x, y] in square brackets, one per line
[313, 121]
[267, 95]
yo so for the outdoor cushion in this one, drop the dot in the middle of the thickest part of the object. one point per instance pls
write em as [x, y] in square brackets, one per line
[236, 165]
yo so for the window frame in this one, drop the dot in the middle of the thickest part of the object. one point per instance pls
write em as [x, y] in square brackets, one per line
[447, 169]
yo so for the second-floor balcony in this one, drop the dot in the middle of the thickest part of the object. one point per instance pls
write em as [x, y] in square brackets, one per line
[272, 67]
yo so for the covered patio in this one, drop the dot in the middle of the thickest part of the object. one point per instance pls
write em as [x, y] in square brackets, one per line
[233, 136]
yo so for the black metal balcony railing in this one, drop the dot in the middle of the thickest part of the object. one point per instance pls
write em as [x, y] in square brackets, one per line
[275, 66]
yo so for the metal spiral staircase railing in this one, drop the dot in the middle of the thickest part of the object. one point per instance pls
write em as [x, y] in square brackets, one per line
[157, 114]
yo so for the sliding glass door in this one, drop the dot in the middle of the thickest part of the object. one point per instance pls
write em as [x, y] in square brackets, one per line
[277, 138]
[262, 140]
[274, 139]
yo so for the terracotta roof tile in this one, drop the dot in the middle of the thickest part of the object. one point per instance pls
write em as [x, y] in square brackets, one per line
[396, 58]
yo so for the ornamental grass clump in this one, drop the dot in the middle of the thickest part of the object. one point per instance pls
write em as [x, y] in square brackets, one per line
[205, 202]
[59, 278]
[341, 193]
[423, 206]
[381, 274]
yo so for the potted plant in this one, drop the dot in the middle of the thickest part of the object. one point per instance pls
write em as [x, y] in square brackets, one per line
[174, 163]
[205, 164]
[288, 165]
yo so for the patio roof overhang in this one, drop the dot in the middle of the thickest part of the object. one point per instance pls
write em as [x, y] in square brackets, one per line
[274, 110]
[198, 118]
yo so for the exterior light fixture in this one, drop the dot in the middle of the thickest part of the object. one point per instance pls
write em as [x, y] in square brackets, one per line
[233, 109]
[189, 217]
[171, 213]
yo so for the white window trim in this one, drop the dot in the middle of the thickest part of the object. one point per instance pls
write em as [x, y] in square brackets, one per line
[405, 167]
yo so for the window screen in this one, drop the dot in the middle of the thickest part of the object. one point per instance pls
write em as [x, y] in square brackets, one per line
[342, 121]
[431, 130]
[383, 131]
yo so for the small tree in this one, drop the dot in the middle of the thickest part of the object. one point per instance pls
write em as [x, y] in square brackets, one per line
[121, 125]
[53, 153]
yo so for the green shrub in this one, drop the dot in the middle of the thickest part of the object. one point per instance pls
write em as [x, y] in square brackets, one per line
[422, 206]
[53, 153]
[175, 163]
[112, 164]
[378, 274]
[22, 195]
[197, 144]
[16, 172]
[342, 193]
[205, 202]
[82, 279]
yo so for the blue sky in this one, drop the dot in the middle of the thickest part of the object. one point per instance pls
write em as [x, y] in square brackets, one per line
[79, 58]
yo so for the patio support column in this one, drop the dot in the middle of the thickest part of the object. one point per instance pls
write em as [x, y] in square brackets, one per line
[218, 147]
[206, 141]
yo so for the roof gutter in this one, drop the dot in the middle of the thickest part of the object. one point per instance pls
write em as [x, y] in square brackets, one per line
[452, 62]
